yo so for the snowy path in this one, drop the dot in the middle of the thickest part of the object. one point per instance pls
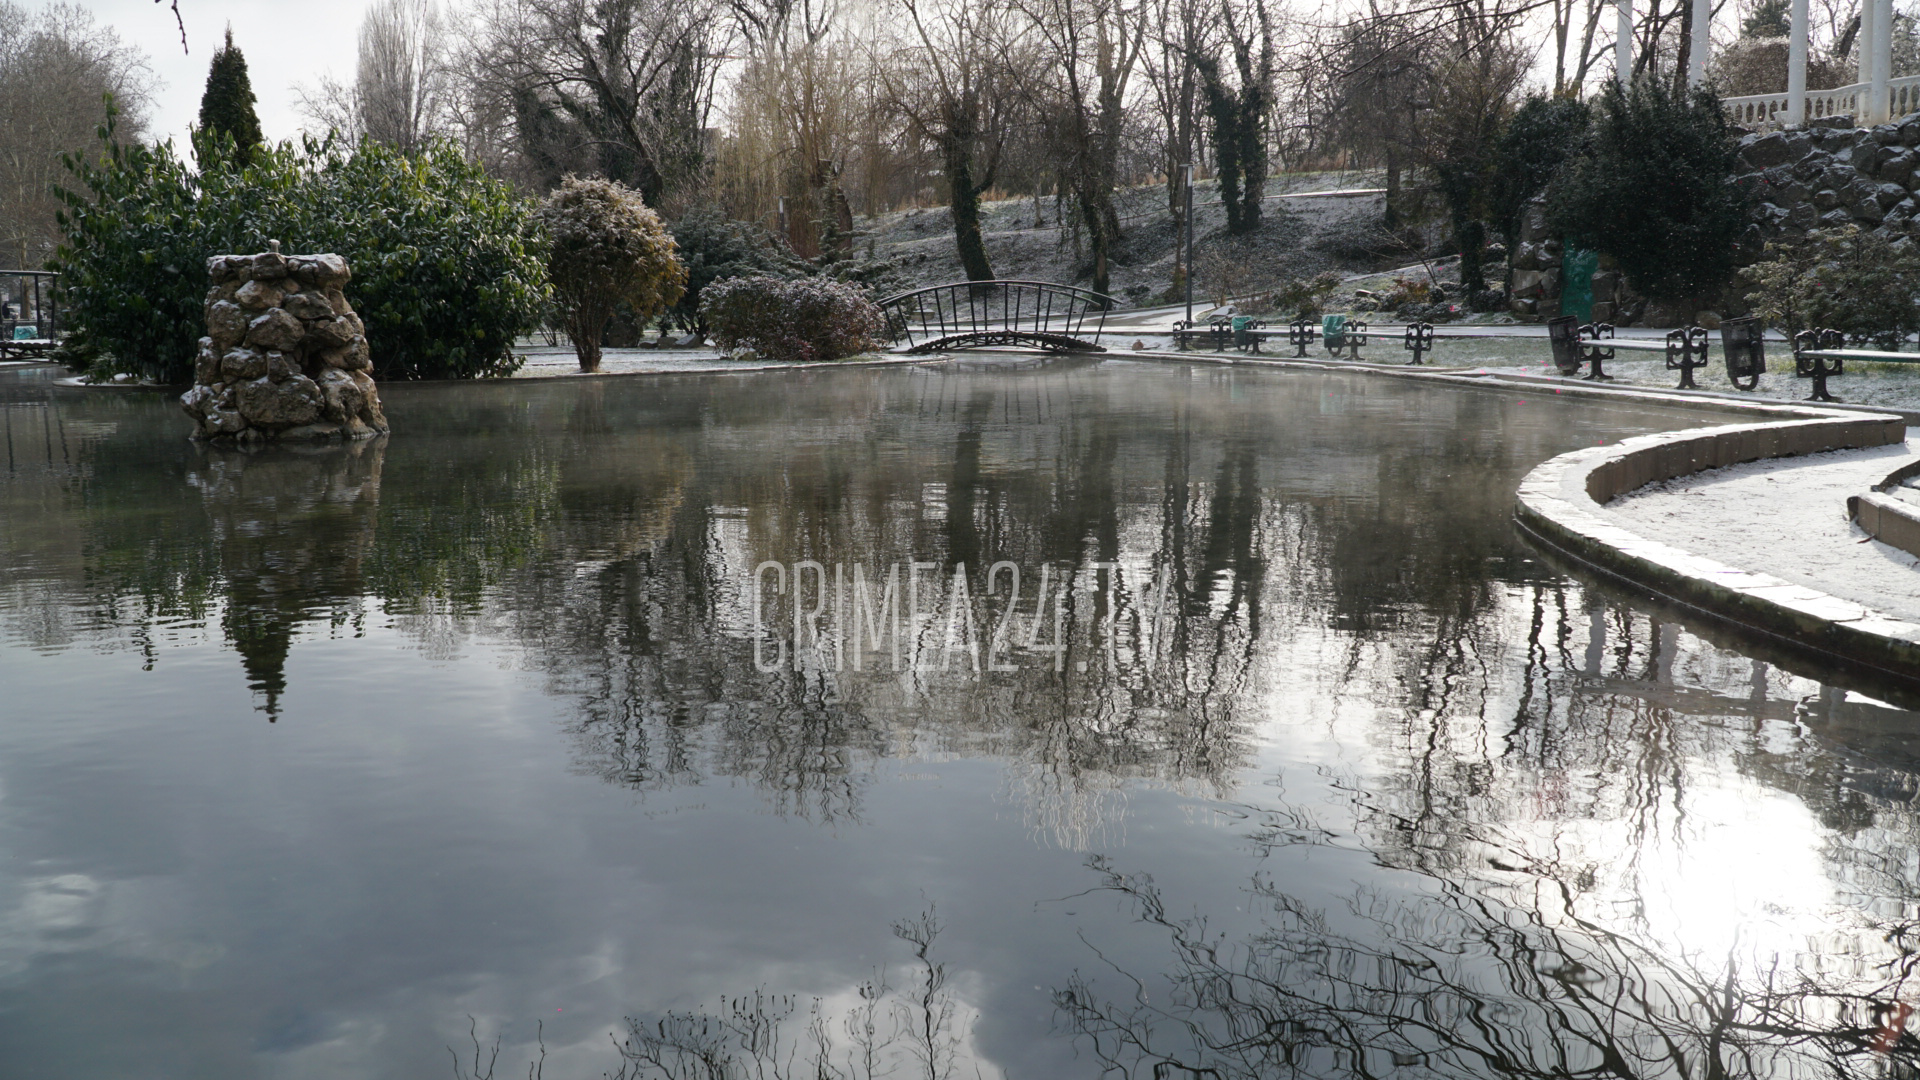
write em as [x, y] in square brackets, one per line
[1786, 517]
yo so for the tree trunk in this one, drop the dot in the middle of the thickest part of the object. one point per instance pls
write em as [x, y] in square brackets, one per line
[1390, 220]
[1471, 237]
[1253, 157]
[964, 199]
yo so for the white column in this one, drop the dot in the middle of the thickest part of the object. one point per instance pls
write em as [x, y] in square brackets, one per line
[1702, 41]
[1623, 42]
[1797, 67]
[1877, 109]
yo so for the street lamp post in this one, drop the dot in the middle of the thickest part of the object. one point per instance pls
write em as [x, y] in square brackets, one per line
[1188, 261]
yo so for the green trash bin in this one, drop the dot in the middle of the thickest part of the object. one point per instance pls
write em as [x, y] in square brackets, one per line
[1333, 332]
[1240, 335]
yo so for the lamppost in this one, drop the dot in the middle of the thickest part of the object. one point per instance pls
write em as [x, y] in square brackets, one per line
[1188, 261]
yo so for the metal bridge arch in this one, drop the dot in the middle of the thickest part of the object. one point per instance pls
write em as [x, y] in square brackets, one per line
[976, 314]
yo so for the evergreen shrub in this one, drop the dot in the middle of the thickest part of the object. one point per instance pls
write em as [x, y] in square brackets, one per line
[1654, 188]
[444, 275]
[801, 319]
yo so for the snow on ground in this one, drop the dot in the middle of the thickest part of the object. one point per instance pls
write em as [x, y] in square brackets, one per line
[1297, 238]
[1786, 517]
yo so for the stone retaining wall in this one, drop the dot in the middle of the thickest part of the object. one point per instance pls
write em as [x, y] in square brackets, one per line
[1831, 174]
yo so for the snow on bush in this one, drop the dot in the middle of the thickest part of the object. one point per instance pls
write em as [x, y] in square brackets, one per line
[792, 320]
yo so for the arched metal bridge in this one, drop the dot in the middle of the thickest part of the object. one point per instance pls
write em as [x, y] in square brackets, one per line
[978, 314]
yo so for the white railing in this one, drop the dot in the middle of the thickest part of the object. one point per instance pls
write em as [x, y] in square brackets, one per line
[1755, 110]
[1767, 110]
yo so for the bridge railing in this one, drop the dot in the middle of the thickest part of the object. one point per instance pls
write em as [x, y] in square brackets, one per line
[996, 312]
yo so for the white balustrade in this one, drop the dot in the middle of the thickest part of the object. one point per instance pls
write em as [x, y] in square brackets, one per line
[1768, 110]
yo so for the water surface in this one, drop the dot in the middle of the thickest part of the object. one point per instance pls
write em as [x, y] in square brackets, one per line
[1303, 762]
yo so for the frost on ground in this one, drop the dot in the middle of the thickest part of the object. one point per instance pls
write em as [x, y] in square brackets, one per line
[1786, 517]
[1296, 238]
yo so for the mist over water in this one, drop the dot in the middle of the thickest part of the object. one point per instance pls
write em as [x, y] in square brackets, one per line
[1301, 762]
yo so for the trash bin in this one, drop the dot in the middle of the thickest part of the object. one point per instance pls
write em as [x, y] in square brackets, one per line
[1333, 332]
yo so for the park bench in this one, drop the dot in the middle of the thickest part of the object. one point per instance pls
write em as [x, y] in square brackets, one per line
[1245, 333]
[1821, 354]
[22, 341]
[1686, 349]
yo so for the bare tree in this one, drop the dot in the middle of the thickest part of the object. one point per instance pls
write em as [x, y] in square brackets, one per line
[1238, 109]
[1092, 49]
[402, 88]
[954, 89]
[56, 66]
[616, 88]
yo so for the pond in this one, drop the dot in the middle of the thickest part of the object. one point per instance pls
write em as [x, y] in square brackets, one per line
[1215, 719]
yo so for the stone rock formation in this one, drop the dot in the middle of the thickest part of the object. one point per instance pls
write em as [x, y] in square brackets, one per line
[1832, 173]
[285, 357]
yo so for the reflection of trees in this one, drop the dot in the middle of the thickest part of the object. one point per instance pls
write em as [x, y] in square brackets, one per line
[606, 531]
[289, 531]
[1463, 981]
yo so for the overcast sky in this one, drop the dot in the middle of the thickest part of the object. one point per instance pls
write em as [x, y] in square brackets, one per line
[285, 44]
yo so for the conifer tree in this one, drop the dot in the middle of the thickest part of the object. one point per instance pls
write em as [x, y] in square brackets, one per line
[227, 106]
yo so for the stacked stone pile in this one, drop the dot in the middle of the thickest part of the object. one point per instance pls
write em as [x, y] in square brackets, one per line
[285, 357]
[1831, 174]
[1536, 262]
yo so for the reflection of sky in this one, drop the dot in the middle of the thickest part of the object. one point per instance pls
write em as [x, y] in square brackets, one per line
[337, 890]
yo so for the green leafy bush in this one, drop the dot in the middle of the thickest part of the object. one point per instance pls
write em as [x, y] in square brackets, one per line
[606, 249]
[792, 320]
[1839, 279]
[1654, 188]
[443, 275]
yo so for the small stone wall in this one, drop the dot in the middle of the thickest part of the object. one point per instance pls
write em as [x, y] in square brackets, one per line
[1559, 505]
[285, 357]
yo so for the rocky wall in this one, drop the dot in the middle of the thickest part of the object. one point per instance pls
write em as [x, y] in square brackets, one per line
[285, 357]
[1831, 174]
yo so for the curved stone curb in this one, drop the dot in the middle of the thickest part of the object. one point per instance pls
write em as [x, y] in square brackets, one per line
[1559, 505]
[1888, 520]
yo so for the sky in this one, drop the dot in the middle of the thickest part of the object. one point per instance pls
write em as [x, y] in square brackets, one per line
[285, 44]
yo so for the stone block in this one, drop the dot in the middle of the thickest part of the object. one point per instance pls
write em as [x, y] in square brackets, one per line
[1533, 223]
[308, 305]
[1763, 151]
[330, 334]
[275, 405]
[1834, 219]
[226, 324]
[243, 364]
[258, 295]
[1826, 199]
[1869, 211]
[275, 329]
[206, 362]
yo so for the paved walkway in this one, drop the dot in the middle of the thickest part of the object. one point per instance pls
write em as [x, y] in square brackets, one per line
[1786, 517]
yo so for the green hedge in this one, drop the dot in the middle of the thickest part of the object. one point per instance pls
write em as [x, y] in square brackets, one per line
[444, 275]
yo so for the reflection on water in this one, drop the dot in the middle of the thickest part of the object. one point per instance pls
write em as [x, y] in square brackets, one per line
[1276, 656]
